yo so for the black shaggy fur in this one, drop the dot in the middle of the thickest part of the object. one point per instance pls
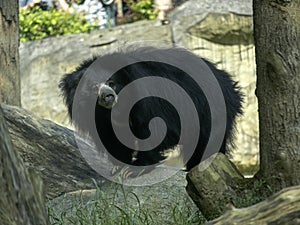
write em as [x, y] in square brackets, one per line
[151, 107]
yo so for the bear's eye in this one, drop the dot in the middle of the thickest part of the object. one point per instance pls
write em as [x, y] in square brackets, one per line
[111, 84]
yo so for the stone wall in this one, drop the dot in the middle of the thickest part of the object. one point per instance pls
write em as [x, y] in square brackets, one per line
[44, 62]
[220, 31]
[223, 34]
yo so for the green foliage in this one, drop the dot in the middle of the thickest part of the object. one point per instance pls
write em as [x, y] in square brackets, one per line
[36, 24]
[139, 10]
[145, 8]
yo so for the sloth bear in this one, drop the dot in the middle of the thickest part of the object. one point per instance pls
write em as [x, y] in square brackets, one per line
[107, 89]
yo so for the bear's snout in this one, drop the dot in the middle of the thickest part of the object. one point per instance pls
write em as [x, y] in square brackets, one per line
[107, 97]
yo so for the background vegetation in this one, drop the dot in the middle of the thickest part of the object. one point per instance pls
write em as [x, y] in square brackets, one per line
[135, 10]
[36, 23]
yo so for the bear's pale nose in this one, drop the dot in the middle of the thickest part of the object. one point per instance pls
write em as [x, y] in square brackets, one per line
[108, 98]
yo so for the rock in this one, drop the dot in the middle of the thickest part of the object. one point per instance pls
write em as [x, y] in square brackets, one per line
[158, 200]
[225, 29]
[222, 32]
[193, 12]
[44, 62]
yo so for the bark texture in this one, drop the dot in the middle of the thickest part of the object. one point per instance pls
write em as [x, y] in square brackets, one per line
[218, 189]
[277, 39]
[52, 151]
[22, 199]
[9, 53]
[211, 188]
[281, 208]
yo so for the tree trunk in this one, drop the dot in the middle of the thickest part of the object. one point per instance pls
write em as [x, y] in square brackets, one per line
[213, 188]
[22, 200]
[10, 92]
[120, 8]
[277, 39]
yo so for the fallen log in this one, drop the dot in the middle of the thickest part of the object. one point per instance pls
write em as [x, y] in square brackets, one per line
[281, 208]
[52, 151]
[224, 196]
[22, 198]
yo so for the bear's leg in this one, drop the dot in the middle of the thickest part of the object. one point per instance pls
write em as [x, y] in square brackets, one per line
[197, 156]
[119, 153]
[145, 158]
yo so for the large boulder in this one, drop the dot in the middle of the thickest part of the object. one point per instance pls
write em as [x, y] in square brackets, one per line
[163, 203]
[44, 62]
[222, 32]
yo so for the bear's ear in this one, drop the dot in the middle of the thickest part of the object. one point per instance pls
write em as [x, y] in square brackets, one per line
[67, 91]
[68, 85]
[70, 81]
